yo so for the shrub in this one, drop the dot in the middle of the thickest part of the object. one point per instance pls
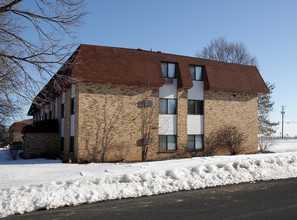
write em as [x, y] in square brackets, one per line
[13, 150]
[265, 143]
[225, 138]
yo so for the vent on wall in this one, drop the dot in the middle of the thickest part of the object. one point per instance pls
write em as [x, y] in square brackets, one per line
[168, 81]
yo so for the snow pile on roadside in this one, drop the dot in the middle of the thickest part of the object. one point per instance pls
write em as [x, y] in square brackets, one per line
[46, 186]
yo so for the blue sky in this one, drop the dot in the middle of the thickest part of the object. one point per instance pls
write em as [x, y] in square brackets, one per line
[267, 27]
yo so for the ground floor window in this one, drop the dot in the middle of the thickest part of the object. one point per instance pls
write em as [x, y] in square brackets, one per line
[167, 142]
[195, 142]
[71, 147]
[62, 144]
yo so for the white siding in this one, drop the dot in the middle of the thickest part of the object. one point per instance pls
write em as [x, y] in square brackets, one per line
[195, 124]
[72, 90]
[167, 124]
[56, 109]
[72, 125]
[63, 97]
[197, 91]
[62, 127]
[72, 117]
[169, 91]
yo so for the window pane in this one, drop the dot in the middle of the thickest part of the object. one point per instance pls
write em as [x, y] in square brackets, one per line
[171, 106]
[171, 139]
[162, 142]
[72, 106]
[191, 140]
[171, 70]
[192, 70]
[198, 142]
[199, 73]
[62, 144]
[62, 111]
[163, 106]
[198, 107]
[71, 149]
[191, 107]
[164, 69]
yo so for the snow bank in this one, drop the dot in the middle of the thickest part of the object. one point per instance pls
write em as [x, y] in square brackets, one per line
[97, 182]
[30, 185]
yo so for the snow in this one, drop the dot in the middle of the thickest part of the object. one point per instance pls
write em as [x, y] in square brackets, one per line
[27, 185]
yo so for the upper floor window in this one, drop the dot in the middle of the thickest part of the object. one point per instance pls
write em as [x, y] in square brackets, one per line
[168, 70]
[196, 73]
[195, 107]
[62, 110]
[72, 106]
[167, 106]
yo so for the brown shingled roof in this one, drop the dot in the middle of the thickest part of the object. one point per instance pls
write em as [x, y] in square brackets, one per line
[18, 125]
[139, 67]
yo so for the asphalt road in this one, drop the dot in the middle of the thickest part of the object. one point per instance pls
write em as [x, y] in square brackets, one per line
[260, 200]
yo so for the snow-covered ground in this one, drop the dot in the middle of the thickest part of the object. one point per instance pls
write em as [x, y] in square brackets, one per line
[27, 185]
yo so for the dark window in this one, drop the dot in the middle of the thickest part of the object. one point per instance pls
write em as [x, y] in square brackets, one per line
[62, 110]
[168, 70]
[50, 115]
[71, 148]
[167, 106]
[45, 116]
[196, 73]
[72, 106]
[195, 142]
[195, 107]
[62, 144]
[167, 142]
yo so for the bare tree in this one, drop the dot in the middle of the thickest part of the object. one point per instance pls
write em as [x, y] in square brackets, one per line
[108, 124]
[221, 50]
[148, 108]
[27, 59]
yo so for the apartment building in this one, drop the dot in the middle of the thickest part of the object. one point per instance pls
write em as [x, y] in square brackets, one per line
[187, 98]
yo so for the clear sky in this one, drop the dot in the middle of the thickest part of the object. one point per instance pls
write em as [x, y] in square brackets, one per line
[267, 27]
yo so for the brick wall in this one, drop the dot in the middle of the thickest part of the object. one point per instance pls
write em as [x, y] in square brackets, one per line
[238, 110]
[39, 144]
[15, 136]
[91, 99]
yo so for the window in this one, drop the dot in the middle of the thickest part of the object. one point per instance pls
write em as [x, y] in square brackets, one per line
[45, 116]
[195, 107]
[195, 142]
[71, 148]
[168, 70]
[50, 114]
[72, 106]
[62, 144]
[196, 73]
[167, 106]
[62, 110]
[167, 142]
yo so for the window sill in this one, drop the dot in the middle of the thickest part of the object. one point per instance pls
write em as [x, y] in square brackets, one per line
[168, 151]
[195, 150]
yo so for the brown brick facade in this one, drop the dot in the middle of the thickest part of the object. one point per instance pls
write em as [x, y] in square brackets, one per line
[40, 144]
[93, 99]
[232, 109]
